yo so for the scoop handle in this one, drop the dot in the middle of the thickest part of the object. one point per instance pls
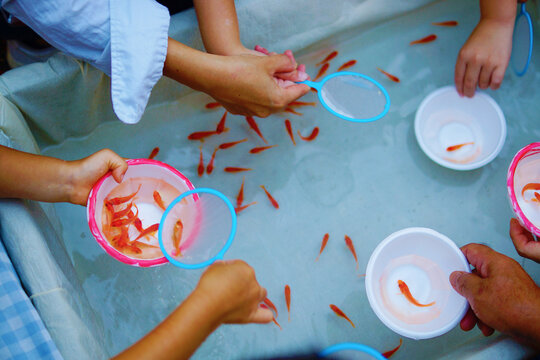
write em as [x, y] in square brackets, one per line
[313, 84]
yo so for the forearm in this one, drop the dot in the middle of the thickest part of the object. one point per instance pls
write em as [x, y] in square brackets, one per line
[501, 11]
[178, 336]
[218, 24]
[34, 177]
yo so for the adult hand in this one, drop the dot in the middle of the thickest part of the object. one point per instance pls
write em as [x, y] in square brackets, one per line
[483, 59]
[234, 292]
[86, 172]
[501, 294]
[524, 242]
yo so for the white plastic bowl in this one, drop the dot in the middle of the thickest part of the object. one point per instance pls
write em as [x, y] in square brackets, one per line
[424, 260]
[445, 119]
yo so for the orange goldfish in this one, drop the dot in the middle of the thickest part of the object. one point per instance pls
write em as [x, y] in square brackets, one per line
[289, 130]
[341, 313]
[312, 136]
[288, 299]
[347, 65]
[159, 201]
[458, 146]
[405, 291]
[330, 56]
[257, 150]
[154, 153]
[323, 245]
[424, 40]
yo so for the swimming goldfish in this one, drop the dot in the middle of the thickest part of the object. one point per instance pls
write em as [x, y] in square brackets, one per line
[158, 200]
[257, 150]
[149, 230]
[424, 40]
[323, 245]
[458, 146]
[232, 169]
[311, 136]
[123, 212]
[405, 291]
[341, 313]
[123, 199]
[536, 196]
[445, 23]
[201, 135]
[210, 166]
[177, 236]
[390, 76]
[288, 299]
[389, 353]
[530, 186]
[289, 130]
[231, 144]
[330, 56]
[253, 125]
[221, 125]
[271, 305]
[271, 198]
[130, 218]
[292, 111]
[347, 65]
[212, 105]
[264, 306]
[138, 224]
[200, 168]
[322, 71]
[154, 153]
[350, 245]
[240, 196]
[239, 209]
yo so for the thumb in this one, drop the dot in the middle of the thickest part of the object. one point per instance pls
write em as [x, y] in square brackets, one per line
[116, 164]
[261, 316]
[280, 63]
[465, 283]
[293, 92]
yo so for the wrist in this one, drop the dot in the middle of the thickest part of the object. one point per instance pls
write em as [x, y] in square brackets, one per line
[210, 305]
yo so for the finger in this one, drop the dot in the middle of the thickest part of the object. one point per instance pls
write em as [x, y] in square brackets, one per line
[261, 316]
[295, 91]
[471, 79]
[280, 64]
[485, 77]
[459, 75]
[115, 163]
[262, 294]
[301, 68]
[486, 330]
[497, 77]
[481, 257]
[465, 284]
[261, 49]
[290, 55]
[524, 241]
[469, 320]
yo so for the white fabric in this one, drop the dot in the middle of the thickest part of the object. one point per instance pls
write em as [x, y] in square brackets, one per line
[125, 39]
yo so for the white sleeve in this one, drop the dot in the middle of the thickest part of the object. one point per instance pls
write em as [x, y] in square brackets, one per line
[126, 39]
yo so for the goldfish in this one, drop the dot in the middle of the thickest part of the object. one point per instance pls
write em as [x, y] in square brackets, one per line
[347, 65]
[154, 153]
[350, 245]
[123, 212]
[390, 76]
[271, 198]
[330, 56]
[322, 71]
[253, 125]
[530, 186]
[122, 239]
[231, 144]
[288, 299]
[458, 146]
[123, 199]
[210, 166]
[424, 40]
[177, 236]
[292, 111]
[201, 135]
[445, 23]
[311, 136]
[323, 245]
[271, 305]
[264, 306]
[232, 169]
[289, 130]
[130, 218]
[536, 196]
[240, 196]
[158, 200]
[293, 104]
[200, 168]
[239, 209]
[341, 313]
[389, 353]
[257, 150]
[405, 291]
[221, 125]
[138, 224]
[149, 230]
[212, 105]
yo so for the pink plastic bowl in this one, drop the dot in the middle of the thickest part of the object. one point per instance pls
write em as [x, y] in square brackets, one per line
[529, 150]
[136, 168]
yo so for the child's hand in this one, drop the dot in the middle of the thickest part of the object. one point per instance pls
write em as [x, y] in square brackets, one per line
[524, 242]
[234, 293]
[86, 172]
[483, 59]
